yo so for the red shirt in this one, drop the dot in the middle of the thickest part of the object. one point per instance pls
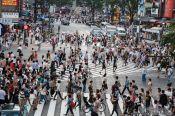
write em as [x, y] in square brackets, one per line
[11, 88]
[12, 66]
[20, 65]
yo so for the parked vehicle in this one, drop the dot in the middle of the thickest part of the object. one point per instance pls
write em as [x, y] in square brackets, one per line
[104, 24]
[121, 31]
[97, 32]
[90, 23]
[110, 30]
[65, 22]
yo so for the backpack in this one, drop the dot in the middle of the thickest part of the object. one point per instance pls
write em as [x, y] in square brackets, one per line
[72, 104]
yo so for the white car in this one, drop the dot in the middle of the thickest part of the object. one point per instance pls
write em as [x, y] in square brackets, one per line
[111, 32]
[121, 31]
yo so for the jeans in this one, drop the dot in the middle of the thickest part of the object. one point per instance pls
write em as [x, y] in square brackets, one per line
[58, 92]
[84, 87]
[125, 89]
[43, 97]
[115, 109]
[71, 110]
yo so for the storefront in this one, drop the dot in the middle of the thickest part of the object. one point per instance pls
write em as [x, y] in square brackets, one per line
[153, 33]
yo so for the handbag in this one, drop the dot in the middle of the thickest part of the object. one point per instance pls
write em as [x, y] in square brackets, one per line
[72, 104]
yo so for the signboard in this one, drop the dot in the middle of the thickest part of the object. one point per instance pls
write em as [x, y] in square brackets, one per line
[10, 15]
[9, 2]
[154, 11]
[7, 21]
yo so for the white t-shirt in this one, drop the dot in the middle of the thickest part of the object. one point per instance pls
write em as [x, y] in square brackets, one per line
[2, 94]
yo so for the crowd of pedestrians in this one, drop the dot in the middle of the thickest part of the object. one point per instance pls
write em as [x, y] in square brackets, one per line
[35, 80]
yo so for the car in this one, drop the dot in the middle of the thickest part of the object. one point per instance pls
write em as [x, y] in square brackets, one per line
[104, 24]
[90, 23]
[97, 32]
[111, 32]
[121, 31]
[65, 22]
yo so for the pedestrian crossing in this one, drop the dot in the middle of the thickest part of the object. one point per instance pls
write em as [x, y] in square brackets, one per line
[129, 69]
[52, 109]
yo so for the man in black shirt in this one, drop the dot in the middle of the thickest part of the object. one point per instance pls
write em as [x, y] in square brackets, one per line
[163, 99]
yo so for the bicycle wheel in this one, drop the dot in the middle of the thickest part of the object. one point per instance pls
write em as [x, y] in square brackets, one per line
[85, 109]
[102, 107]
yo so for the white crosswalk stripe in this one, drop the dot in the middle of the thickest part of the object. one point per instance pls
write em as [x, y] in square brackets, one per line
[129, 69]
[52, 107]
[39, 110]
[110, 105]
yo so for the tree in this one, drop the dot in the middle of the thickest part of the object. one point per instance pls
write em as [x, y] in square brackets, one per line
[95, 5]
[169, 39]
[60, 2]
[130, 6]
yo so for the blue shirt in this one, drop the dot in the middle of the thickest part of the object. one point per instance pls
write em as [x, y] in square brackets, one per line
[127, 83]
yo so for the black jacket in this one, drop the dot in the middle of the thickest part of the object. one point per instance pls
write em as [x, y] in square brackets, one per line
[163, 99]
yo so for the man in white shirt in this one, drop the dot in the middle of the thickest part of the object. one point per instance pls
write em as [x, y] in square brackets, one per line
[58, 90]
[170, 74]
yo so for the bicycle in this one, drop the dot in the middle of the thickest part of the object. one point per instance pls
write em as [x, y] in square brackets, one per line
[89, 107]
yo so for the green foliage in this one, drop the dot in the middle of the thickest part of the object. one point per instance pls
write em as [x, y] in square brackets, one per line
[169, 38]
[95, 5]
[130, 5]
[172, 27]
[60, 2]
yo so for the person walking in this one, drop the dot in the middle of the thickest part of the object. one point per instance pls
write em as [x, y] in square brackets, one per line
[163, 99]
[169, 75]
[114, 100]
[103, 67]
[126, 85]
[58, 91]
[147, 100]
[69, 106]
[115, 63]
[144, 73]
[149, 85]
[2, 96]
[84, 81]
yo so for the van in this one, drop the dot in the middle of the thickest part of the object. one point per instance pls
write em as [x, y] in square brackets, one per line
[104, 24]
[121, 31]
